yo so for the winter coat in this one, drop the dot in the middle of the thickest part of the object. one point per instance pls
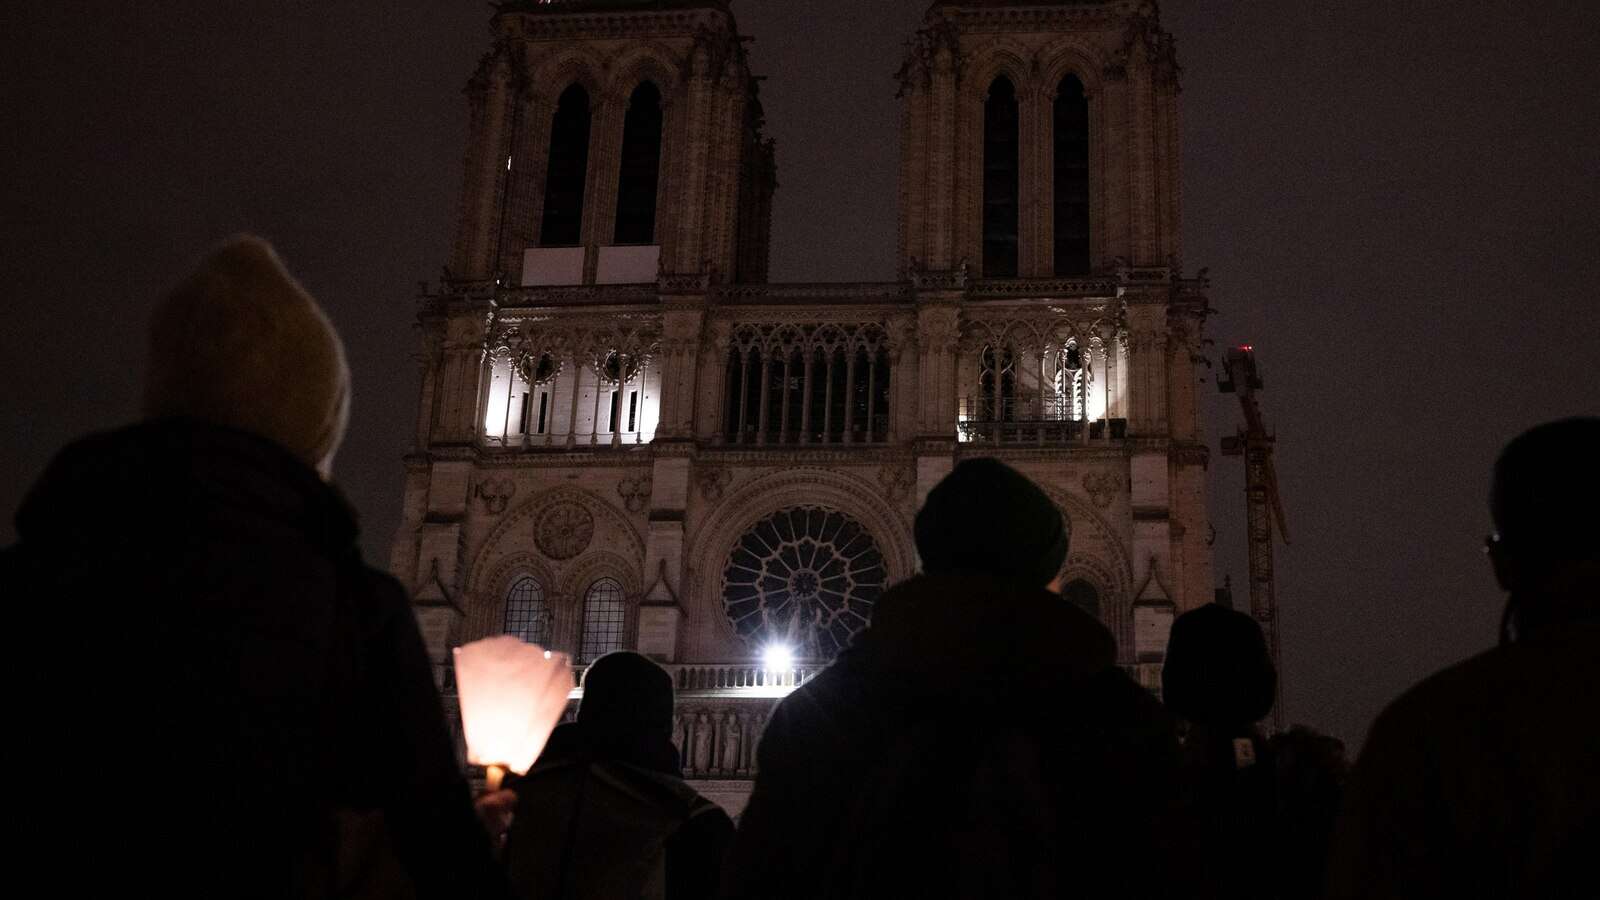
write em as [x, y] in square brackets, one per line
[1051, 766]
[604, 818]
[1483, 780]
[1262, 810]
[214, 680]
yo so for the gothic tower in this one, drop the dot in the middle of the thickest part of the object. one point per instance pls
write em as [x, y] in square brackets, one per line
[627, 438]
[1039, 173]
[600, 128]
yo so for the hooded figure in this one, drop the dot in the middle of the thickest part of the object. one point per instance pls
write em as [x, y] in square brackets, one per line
[1262, 809]
[1481, 781]
[977, 739]
[605, 812]
[213, 672]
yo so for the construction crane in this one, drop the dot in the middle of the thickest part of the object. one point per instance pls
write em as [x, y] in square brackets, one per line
[1263, 505]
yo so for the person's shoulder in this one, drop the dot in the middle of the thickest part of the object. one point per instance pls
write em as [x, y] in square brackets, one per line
[1447, 700]
[382, 585]
[819, 721]
[1467, 682]
[375, 590]
[709, 819]
[823, 690]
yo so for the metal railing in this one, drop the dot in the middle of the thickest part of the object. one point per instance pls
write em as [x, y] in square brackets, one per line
[983, 419]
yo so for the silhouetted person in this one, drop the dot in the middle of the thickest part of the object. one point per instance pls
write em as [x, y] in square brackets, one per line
[1262, 809]
[978, 739]
[605, 812]
[213, 680]
[1484, 780]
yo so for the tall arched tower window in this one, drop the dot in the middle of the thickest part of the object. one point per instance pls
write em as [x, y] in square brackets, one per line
[527, 615]
[641, 168]
[1000, 180]
[604, 614]
[569, 168]
[1071, 178]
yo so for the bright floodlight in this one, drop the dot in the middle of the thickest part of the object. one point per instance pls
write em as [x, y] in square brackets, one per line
[778, 658]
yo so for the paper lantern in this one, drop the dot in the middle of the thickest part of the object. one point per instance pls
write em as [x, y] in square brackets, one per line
[512, 695]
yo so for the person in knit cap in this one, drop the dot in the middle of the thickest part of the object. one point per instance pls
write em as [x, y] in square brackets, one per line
[977, 739]
[241, 344]
[605, 812]
[1263, 808]
[218, 681]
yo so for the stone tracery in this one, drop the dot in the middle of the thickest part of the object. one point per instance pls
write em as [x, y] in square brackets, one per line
[804, 576]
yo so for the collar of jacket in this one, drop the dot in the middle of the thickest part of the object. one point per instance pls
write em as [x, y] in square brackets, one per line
[1569, 596]
[959, 628]
[179, 476]
[572, 743]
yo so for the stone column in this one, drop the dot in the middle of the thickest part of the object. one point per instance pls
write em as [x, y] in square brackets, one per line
[942, 142]
[914, 153]
[489, 97]
[682, 323]
[525, 194]
[938, 329]
[461, 373]
[1146, 384]
[1141, 155]
[713, 364]
[691, 186]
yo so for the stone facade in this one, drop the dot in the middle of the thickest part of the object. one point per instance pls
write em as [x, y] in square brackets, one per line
[740, 461]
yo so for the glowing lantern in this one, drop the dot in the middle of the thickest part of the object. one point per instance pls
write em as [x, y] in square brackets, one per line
[512, 695]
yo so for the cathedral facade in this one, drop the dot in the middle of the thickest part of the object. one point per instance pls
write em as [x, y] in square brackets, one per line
[628, 437]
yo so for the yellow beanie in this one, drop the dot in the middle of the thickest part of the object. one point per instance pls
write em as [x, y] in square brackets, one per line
[241, 343]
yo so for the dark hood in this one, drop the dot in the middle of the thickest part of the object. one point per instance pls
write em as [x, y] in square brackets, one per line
[964, 631]
[149, 484]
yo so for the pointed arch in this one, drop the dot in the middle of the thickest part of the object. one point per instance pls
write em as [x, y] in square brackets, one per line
[646, 62]
[1073, 56]
[573, 64]
[605, 619]
[1069, 58]
[639, 175]
[982, 66]
[527, 613]
[567, 169]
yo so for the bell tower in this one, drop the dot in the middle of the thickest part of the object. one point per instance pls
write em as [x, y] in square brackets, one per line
[610, 140]
[1039, 221]
[1040, 139]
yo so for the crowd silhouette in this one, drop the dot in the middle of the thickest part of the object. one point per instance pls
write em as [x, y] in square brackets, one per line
[251, 711]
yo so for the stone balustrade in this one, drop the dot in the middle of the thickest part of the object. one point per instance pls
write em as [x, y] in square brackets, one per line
[722, 711]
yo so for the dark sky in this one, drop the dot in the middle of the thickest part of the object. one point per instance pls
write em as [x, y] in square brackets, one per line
[1399, 204]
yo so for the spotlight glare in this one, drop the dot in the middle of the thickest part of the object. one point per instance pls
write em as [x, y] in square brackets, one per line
[777, 658]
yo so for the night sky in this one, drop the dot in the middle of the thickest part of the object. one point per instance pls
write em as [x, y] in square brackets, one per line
[1398, 202]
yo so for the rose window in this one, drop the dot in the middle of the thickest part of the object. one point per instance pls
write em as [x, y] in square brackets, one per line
[806, 577]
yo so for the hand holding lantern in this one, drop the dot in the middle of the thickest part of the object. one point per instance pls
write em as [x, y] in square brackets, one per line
[512, 695]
